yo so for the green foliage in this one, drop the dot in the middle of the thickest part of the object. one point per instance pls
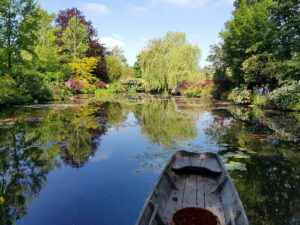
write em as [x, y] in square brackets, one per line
[137, 67]
[114, 68]
[19, 22]
[48, 53]
[240, 96]
[260, 100]
[25, 88]
[286, 17]
[75, 39]
[286, 97]
[163, 125]
[100, 93]
[128, 72]
[260, 45]
[32, 87]
[204, 89]
[249, 32]
[259, 69]
[60, 92]
[7, 90]
[167, 61]
[84, 68]
[133, 84]
[118, 87]
[288, 69]
[118, 53]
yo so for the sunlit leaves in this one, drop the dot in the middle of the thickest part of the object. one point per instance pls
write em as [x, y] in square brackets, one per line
[84, 68]
[75, 39]
[168, 60]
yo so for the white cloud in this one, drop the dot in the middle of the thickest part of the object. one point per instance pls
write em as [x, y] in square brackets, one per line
[111, 42]
[138, 8]
[96, 8]
[191, 3]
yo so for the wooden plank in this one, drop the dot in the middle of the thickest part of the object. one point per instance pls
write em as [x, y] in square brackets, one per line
[181, 162]
[175, 200]
[211, 164]
[190, 192]
[200, 192]
[195, 162]
[162, 192]
[213, 200]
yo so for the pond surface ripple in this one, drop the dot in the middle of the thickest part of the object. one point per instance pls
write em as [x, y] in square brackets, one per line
[95, 162]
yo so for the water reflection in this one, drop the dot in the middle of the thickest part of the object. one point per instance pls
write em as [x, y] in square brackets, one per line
[260, 148]
[164, 125]
[263, 155]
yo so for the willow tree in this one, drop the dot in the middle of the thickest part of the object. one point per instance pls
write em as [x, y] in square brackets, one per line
[168, 60]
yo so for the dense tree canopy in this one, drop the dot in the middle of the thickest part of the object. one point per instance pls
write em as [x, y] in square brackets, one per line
[168, 60]
[19, 21]
[38, 56]
[75, 38]
[261, 42]
[260, 45]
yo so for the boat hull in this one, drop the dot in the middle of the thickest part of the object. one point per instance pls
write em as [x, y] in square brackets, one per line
[193, 181]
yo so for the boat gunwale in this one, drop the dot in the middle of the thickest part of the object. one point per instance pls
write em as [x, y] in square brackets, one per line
[224, 173]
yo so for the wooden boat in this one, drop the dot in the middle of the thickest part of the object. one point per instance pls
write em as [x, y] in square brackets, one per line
[194, 189]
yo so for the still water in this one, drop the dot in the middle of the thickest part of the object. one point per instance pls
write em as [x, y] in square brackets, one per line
[95, 162]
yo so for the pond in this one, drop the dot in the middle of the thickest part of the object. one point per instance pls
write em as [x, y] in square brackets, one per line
[95, 161]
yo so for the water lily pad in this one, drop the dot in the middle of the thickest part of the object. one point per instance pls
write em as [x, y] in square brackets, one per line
[233, 165]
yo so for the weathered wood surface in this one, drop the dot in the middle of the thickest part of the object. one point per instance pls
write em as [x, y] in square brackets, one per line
[208, 163]
[180, 190]
[194, 191]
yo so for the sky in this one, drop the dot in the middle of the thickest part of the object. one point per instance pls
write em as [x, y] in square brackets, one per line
[130, 24]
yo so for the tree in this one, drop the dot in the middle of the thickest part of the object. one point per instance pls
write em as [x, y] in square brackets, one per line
[19, 21]
[169, 60]
[75, 39]
[249, 33]
[84, 68]
[48, 58]
[221, 75]
[114, 68]
[137, 67]
[95, 49]
[118, 52]
[286, 16]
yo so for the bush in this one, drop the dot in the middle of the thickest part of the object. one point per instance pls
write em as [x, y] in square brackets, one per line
[286, 97]
[100, 84]
[114, 68]
[100, 93]
[117, 87]
[7, 90]
[260, 100]
[32, 87]
[60, 91]
[75, 84]
[200, 89]
[240, 96]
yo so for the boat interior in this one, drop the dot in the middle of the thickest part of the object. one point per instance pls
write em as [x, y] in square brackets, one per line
[194, 185]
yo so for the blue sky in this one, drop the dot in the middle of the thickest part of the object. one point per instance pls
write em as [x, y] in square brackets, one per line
[132, 23]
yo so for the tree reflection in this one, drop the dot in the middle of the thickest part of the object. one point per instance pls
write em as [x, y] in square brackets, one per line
[78, 142]
[269, 183]
[22, 172]
[30, 150]
[163, 125]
